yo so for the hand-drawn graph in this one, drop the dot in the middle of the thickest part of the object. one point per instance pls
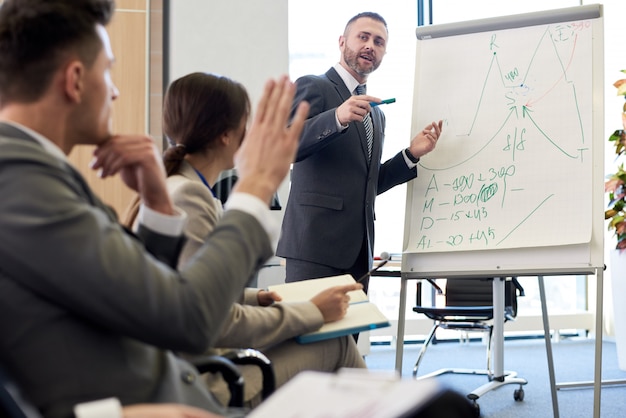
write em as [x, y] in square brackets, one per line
[513, 167]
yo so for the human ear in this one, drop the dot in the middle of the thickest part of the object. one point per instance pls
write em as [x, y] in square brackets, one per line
[342, 41]
[74, 81]
[225, 138]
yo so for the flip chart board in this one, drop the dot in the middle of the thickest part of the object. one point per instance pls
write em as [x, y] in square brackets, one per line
[516, 180]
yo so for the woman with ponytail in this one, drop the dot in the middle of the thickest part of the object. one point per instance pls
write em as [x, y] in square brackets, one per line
[204, 119]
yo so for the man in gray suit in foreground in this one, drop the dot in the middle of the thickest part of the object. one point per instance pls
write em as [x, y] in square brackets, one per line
[86, 310]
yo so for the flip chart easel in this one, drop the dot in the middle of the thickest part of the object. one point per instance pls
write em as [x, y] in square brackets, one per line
[515, 184]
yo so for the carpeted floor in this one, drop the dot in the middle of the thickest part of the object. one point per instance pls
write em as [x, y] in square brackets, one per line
[574, 362]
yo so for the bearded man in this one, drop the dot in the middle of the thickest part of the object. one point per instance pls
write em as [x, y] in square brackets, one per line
[328, 228]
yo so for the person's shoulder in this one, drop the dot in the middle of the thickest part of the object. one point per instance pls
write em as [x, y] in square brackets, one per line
[180, 186]
[315, 78]
[21, 152]
[12, 147]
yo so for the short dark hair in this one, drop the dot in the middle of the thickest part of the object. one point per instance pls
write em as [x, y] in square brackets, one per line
[198, 109]
[370, 15]
[37, 35]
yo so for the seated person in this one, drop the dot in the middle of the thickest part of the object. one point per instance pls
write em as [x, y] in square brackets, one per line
[204, 118]
[87, 310]
[13, 404]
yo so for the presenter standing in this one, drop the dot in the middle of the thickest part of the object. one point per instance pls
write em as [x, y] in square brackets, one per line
[328, 228]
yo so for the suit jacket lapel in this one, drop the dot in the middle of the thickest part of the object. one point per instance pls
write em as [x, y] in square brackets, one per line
[340, 86]
[345, 94]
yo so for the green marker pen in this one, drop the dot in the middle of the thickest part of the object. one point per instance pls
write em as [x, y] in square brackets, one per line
[386, 101]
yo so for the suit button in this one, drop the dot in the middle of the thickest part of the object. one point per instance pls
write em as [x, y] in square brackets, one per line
[188, 377]
[324, 134]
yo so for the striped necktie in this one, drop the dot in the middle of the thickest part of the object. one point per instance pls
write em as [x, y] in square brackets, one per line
[367, 123]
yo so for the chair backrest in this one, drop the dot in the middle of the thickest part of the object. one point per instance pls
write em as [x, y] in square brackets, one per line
[469, 292]
[11, 403]
[479, 292]
[225, 184]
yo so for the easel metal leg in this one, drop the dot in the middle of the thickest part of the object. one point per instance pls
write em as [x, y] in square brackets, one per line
[546, 333]
[578, 385]
[401, 324]
[597, 376]
[498, 327]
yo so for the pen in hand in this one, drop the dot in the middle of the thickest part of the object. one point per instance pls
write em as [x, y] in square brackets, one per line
[385, 259]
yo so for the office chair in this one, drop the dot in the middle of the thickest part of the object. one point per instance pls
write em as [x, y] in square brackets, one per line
[226, 364]
[468, 307]
[225, 184]
[12, 405]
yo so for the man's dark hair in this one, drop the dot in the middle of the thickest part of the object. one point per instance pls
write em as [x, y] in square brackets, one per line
[36, 36]
[371, 15]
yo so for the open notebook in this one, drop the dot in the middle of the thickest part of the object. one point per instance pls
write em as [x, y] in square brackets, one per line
[352, 393]
[362, 315]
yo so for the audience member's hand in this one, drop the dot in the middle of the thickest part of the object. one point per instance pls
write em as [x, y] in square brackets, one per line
[266, 298]
[138, 161]
[425, 141]
[333, 302]
[165, 411]
[270, 146]
[355, 108]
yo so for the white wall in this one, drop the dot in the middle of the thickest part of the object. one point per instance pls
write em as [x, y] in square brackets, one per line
[245, 40]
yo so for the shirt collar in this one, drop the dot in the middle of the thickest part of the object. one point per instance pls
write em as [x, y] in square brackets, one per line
[48, 145]
[350, 82]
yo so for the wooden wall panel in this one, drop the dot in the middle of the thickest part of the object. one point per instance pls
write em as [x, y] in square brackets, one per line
[156, 70]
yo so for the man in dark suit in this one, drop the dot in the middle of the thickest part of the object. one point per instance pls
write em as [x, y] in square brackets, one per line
[86, 310]
[328, 227]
